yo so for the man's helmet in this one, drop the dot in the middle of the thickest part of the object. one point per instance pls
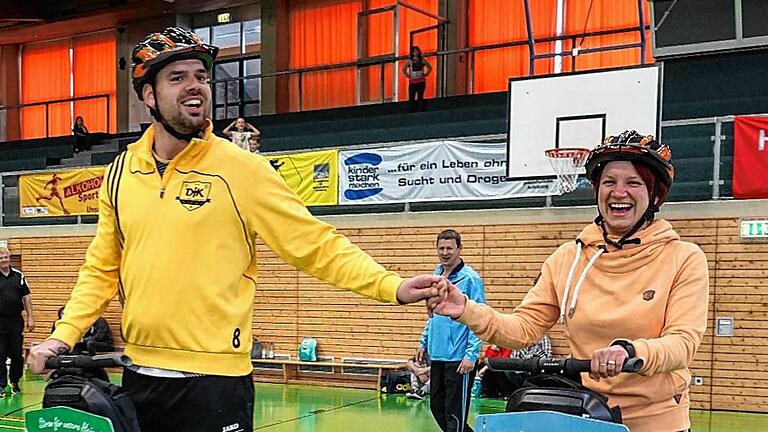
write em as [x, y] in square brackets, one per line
[159, 49]
[633, 147]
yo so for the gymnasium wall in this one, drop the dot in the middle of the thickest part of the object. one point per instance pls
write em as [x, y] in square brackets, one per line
[506, 247]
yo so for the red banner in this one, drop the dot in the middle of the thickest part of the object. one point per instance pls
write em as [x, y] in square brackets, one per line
[750, 157]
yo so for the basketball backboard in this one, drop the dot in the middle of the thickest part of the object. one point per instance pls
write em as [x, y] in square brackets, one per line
[576, 110]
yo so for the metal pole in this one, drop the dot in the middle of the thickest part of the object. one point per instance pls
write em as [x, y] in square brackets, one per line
[381, 82]
[108, 131]
[46, 121]
[396, 48]
[362, 35]
[716, 182]
[301, 96]
[531, 45]
[2, 198]
[472, 72]
[642, 31]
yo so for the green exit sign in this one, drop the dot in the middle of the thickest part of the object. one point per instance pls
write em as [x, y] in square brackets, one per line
[754, 229]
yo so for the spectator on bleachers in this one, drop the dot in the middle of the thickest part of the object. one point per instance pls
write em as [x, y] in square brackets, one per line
[241, 132]
[81, 135]
[416, 69]
[255, 143]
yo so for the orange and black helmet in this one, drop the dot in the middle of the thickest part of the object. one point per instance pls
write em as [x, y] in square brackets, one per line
[633, 147]
[159, 49]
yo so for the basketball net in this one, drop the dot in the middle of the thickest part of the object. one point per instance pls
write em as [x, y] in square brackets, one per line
[567, 163]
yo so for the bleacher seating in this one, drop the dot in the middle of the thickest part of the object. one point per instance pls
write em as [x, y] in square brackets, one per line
[445, 118]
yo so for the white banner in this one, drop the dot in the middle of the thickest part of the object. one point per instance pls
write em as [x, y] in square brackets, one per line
[434, 171]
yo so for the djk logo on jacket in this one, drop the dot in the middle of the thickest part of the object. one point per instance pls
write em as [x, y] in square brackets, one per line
[194, 194]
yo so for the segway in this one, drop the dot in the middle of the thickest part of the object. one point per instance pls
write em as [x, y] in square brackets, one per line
[80, 397]
[549, 402]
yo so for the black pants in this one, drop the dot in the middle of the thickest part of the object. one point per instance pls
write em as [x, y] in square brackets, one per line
[11, 342]
[449, 396]
[501, 384]
[201, 404]
[416, 91]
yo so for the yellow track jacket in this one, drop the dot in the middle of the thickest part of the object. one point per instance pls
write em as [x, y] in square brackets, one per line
[181, 252]
[654, 295]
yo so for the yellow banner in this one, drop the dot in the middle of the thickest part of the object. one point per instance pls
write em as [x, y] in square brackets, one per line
[63, 193]
[313, 175]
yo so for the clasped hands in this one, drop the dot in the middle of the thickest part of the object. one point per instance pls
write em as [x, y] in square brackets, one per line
[442, 296]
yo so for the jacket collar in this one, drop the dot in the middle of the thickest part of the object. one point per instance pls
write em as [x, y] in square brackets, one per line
[455, 271]
[196, 148]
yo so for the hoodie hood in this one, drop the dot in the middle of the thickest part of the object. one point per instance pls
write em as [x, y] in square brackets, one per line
[634, 255]
[652, 240]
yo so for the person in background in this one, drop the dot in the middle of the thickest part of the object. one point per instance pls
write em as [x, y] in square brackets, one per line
[416, 69]
[255, 143]
[241, 132]
[451, 346]
[14, 298]
[419, 377]
[81, 135]
[501, 384]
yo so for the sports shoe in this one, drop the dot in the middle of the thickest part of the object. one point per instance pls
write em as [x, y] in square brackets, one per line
[418, 395]
[15, 389]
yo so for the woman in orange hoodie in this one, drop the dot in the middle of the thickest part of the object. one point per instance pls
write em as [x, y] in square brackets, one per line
[626, 287]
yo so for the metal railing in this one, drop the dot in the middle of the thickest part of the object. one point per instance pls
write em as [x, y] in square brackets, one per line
[389, 61]
[47, 105]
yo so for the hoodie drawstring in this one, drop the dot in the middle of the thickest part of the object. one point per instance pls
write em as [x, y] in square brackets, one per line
[568, 282]
[577, 289]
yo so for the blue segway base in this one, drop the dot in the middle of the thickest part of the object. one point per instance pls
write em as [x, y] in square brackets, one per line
[542, 421]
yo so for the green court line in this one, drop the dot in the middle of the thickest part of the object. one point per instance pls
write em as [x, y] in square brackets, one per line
[314, 413]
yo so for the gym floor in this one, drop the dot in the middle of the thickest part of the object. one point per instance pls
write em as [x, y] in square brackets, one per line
[290, 408]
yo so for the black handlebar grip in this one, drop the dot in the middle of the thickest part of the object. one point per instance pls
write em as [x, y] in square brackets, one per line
[576, 366]
[84, 361]
[569, 366]
[513, 364]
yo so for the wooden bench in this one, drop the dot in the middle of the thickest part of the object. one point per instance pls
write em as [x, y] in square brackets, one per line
[333, 373]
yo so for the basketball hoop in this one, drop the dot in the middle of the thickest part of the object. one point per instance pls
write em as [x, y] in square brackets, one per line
[567, 163]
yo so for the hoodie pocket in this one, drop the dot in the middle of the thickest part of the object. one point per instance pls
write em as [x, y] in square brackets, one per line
[681, 380]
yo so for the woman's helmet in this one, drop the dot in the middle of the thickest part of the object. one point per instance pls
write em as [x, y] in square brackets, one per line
[632, 147]
[159, 49]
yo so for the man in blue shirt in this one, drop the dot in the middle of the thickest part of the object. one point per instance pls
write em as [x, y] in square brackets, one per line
[452, 347]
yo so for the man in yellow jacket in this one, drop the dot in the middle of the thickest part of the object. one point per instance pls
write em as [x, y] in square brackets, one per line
[179, 215]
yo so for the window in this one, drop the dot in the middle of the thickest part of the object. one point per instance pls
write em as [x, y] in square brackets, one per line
[252, 32]
[226, 35]
[233, 95]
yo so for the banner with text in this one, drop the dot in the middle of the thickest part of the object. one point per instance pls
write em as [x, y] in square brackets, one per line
[433, 171]
[63, 193]
[312, 175]
[750, 157]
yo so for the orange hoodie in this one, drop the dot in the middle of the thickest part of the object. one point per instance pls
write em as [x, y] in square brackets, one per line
[653, 294]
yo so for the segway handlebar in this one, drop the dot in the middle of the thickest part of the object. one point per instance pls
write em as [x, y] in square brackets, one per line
[87, 362]
[567, 366]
